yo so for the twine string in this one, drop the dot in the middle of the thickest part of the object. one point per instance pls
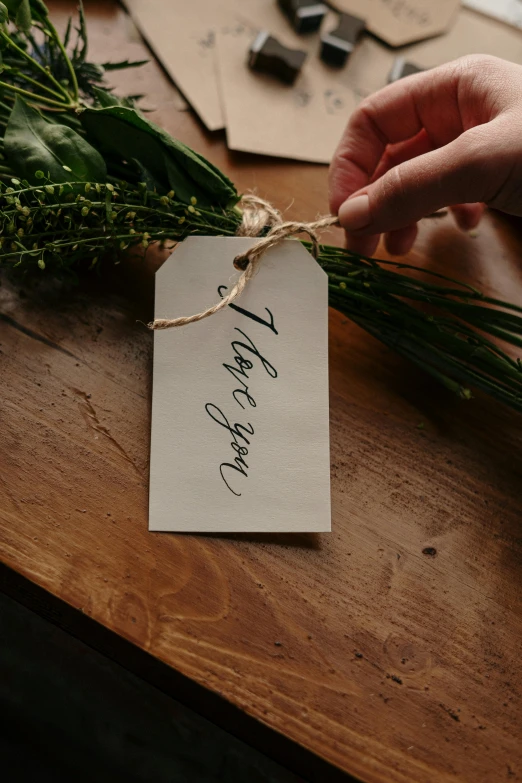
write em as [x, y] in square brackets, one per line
[257, 215]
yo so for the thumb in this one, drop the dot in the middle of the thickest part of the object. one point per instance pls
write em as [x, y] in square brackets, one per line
[461, 172]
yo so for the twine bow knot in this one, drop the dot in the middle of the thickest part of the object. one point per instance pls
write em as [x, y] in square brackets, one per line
[257, 215]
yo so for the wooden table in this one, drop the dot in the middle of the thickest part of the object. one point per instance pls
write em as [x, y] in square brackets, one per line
[388, 649]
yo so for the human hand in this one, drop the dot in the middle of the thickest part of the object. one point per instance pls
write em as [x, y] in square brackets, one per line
[451, 136]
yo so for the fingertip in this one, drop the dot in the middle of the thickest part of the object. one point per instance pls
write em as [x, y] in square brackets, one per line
[400, 242]
[354, 213]
[468, 216]
[364, 246]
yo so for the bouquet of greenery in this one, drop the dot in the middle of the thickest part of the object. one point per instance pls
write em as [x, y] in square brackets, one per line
[85, 176]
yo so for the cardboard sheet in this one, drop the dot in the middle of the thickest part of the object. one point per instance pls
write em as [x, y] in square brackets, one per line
[401, 22]
[181, 35]
[262, 115]
[472, 33]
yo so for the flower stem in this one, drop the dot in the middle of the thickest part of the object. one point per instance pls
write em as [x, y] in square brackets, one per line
[35, 64]
[70, 68]
[42, 87]
[33, 96]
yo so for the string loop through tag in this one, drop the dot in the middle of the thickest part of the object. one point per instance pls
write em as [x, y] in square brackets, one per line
[258, 214]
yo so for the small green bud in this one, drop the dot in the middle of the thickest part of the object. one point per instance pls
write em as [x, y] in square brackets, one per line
[66, 168]
[20, 232]
[342, 285]
[41, 263]
[164, 200]
[87, 187]
[39, 174]
[114, 215]
[171, 194]
[4, 14]
[191, 209]
[49, 189]
[109, 187]
[15, 181]
[181, 220]
[130, 215]
[85, 211]
[193, 201]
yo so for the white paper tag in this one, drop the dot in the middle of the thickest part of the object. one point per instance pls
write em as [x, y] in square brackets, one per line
[240, 438]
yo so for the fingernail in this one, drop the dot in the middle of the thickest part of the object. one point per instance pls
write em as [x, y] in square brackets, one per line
[355, 213]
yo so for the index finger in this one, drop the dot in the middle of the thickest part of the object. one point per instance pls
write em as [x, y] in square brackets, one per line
[396, 113]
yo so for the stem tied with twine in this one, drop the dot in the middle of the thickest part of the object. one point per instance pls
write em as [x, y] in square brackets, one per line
[257, 215]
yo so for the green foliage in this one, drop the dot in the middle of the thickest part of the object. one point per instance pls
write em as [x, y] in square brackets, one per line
[34, 143]
[124, 134]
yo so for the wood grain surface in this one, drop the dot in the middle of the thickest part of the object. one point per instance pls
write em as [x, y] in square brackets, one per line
[390, 647]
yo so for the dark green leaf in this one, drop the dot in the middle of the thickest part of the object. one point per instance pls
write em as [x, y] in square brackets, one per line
[82, 32]
[146, 177]
[22, 10]
[67, 33]
[105, 98]
[23, 16]
[33, 143]
[118, 130]
[123, 64]
[40, 7]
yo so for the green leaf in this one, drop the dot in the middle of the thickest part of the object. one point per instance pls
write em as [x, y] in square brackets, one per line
[67, 34]
[105, 98]
[20, 11]
[23, 16]
[123, 64]
[146, 176]
[82, 32]
[123, 132]
[33, 144]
